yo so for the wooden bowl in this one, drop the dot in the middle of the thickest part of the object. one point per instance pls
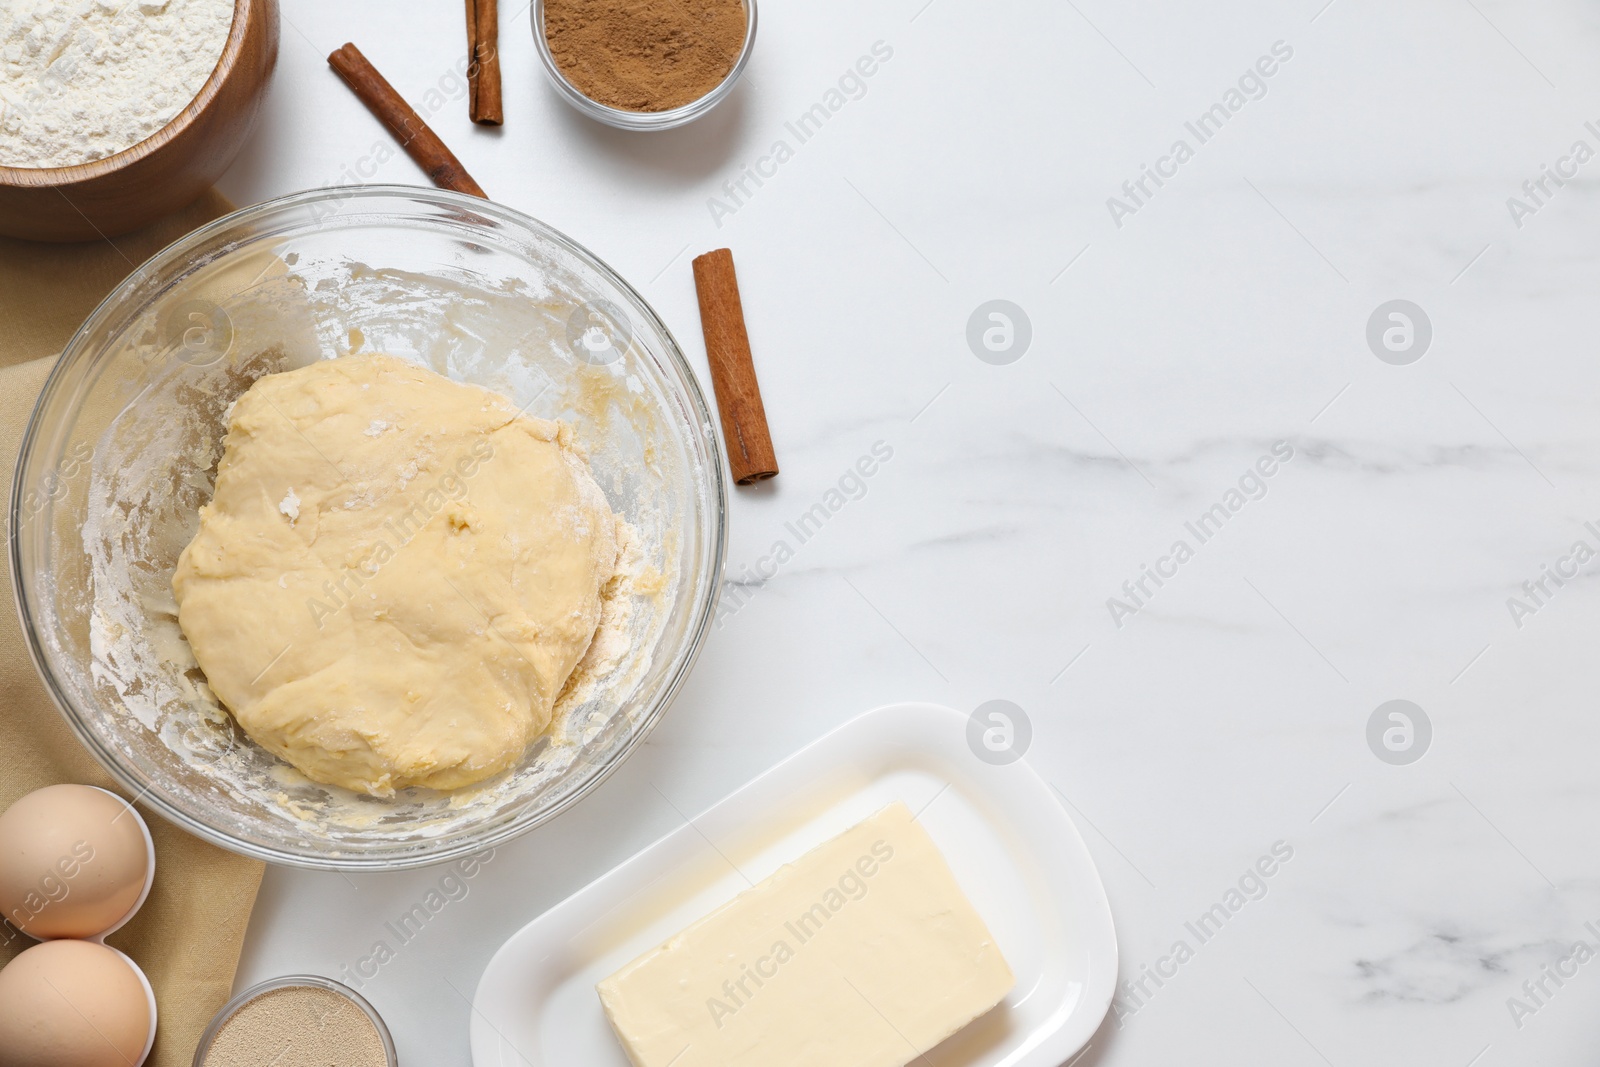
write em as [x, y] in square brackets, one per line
[165, 171]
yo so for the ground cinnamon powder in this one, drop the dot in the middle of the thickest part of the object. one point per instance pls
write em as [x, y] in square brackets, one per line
[645, 55]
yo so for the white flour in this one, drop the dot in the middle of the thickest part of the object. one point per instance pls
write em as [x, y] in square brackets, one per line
[85, 79]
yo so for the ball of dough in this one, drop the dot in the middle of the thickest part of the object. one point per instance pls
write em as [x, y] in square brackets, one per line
[72, 1004]
[395, 575]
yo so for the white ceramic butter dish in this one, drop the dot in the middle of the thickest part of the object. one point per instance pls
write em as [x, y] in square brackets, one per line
[1012, 847]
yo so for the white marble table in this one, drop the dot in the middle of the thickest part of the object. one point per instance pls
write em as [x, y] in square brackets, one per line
[1176, 340]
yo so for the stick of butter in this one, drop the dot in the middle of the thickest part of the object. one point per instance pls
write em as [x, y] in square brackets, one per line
[865, 953]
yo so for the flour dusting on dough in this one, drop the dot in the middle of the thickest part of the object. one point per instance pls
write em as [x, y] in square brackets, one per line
[423, 636]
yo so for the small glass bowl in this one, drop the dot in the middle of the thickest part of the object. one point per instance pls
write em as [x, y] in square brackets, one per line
[292, 981]
[642, 120]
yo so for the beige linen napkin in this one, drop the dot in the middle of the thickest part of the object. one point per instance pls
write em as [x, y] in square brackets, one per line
[188, 934]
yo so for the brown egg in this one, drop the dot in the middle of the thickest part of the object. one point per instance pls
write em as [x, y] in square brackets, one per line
[73, 861]
[72, 1004]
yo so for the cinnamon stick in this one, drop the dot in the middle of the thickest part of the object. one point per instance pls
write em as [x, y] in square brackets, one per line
[733, 371]
[419, 142]
[483, 76]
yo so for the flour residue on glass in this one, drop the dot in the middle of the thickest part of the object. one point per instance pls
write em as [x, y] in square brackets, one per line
[154, 468]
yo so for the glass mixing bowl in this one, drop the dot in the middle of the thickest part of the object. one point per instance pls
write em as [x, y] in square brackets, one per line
[123, 445]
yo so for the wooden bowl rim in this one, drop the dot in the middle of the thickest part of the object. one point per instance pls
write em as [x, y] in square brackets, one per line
[56, 177]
